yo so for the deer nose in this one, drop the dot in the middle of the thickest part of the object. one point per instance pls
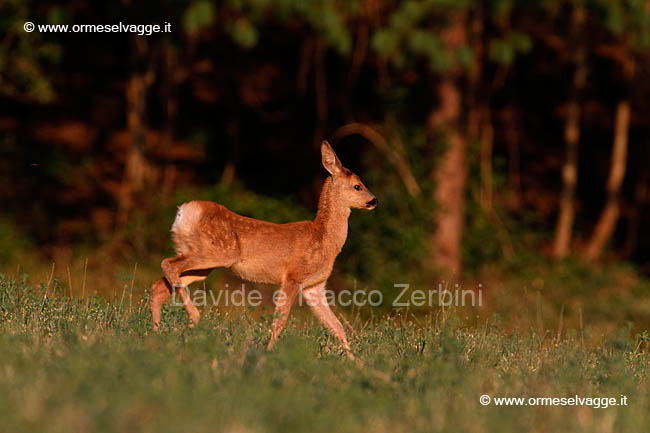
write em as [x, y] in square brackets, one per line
[372, 203]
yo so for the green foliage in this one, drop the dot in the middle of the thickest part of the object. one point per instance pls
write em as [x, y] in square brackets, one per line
[198, 15]
[327, 19]
[408, 36]
[96, 366]
[25, 56]
[644, 336]
[244, 33]
[504, 50]
[628, 20]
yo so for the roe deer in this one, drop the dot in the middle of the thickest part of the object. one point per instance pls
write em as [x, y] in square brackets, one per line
[298, 255]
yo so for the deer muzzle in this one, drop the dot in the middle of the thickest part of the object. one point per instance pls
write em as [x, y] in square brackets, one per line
[372, 204]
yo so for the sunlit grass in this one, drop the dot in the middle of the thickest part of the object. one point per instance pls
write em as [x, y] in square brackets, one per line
[91, 365]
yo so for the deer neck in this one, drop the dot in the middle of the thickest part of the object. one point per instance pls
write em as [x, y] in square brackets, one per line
[332, 218]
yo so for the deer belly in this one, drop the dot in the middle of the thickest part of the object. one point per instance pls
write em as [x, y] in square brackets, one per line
[258, 271]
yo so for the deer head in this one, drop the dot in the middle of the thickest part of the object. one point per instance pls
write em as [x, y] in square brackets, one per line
[346, 186]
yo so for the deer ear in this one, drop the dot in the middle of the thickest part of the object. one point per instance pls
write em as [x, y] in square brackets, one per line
[330, 160]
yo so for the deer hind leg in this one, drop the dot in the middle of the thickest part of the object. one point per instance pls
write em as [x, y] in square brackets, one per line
[182, 270]
[283, 303]
[317, 301]
[161, 290]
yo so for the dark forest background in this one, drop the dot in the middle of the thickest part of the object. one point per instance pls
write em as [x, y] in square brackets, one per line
[507, 141]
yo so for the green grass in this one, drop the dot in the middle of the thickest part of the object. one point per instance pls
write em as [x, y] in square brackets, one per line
[94, 366]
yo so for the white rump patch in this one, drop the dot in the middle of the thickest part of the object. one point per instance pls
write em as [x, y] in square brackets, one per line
[187, 216]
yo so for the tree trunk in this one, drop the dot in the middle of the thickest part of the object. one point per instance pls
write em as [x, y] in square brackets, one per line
[450, 176]
[451, 171]
[566, 211]
[609, 217]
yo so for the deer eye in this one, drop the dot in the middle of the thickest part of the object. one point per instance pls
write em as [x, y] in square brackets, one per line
[357, 187]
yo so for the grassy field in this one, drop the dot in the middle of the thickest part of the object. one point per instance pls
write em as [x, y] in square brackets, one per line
[93, 366]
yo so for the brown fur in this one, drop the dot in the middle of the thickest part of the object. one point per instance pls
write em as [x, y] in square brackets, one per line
[294, 255]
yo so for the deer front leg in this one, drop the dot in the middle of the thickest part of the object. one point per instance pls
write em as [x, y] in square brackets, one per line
[283, 302]
[317, 301]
